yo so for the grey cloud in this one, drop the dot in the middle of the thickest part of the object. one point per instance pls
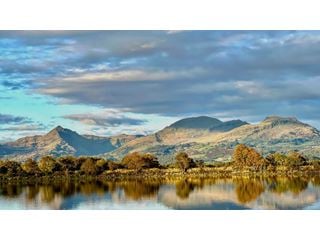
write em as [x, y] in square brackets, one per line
[13, 85]
[105, 121]
[10, 119]
[25, 127]
[247, 74]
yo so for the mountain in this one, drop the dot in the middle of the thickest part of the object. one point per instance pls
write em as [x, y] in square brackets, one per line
[180, 132]
[61, 141]
[217, 141]
[202, 122]
[201, 137]
[206, 123]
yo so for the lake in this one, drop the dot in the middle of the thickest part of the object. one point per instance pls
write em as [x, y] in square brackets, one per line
[206, 194]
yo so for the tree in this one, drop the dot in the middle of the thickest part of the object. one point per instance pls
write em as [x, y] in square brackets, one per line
[244, 156]
[3, 169]
[200, 164]
[295, 159]
[89, 167]
[139, 161]
[113, 166]
[102, 165]
[78, 162]
[30, 167]
[68, 163]
[48, 165]
[11, 168]
[184, 162]
[277, 159]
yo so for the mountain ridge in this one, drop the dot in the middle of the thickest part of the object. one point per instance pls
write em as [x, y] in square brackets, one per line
[202, 137]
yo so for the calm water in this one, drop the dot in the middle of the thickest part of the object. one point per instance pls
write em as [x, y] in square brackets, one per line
[275, 193]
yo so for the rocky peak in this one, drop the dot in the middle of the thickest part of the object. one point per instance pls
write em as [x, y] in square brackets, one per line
[281, 120]
[58, 128]
[202, 122]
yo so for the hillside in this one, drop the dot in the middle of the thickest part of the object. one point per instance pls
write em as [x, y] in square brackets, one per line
[272, 134]
[61, 141]
[202, 137]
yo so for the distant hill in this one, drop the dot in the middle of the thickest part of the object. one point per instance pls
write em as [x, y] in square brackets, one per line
[201, 137]
[202, 122]
[217, 142]
[61, 141]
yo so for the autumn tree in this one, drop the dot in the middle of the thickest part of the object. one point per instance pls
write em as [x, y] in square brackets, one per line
[139, 161]
[68, 163]
[293, 159]
[30, 167]
[296, 159]
[3, 169]
[113, 165]
[244, 156]
[200, 164]
[101, 165]
[48, 165]
[11, 168]
[89, 167]
[78, 162]
[277, 159]
[184, 162]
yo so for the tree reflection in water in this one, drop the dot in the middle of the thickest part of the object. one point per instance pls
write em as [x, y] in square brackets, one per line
[10, 190]
[248, 190]
[92, 188]
[137, 190]
[285, 184]
[316, 181]
[31, 192]
[185, 186]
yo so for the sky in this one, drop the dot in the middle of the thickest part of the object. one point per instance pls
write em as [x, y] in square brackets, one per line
[137, 82]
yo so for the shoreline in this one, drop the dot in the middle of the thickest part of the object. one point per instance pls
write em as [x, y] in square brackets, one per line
[159, 175]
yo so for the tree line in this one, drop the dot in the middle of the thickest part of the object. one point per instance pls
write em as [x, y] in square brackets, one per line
[244, 157]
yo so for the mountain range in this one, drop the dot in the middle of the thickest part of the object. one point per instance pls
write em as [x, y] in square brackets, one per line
[201, 137]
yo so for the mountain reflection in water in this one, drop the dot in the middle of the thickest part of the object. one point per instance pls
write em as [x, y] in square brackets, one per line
[236, 193]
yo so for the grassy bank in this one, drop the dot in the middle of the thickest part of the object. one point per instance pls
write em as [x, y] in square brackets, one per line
[161, 174]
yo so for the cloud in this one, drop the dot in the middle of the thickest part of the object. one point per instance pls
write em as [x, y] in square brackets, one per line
[109, 118]
[242, 74]
[24, 127]
[10, 119]
[12, 85]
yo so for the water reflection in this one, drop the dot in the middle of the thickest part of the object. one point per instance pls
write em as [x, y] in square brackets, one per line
[232, 193]
[138, 190]
[248, 190]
